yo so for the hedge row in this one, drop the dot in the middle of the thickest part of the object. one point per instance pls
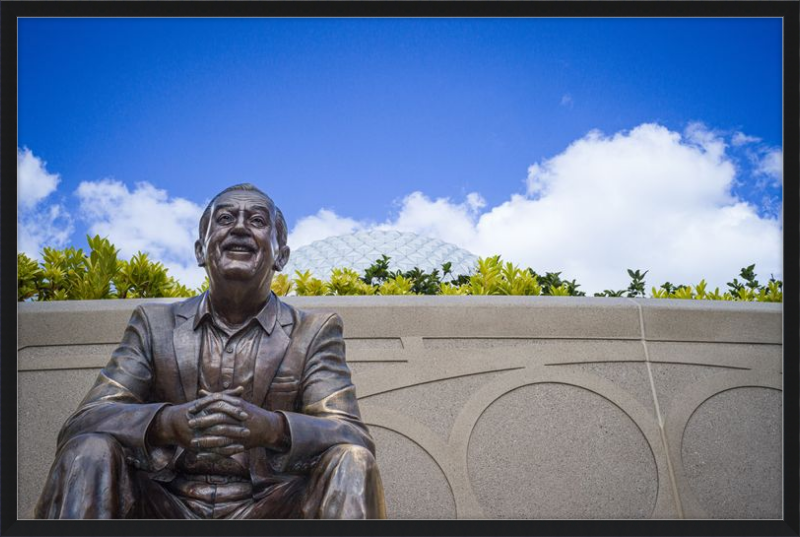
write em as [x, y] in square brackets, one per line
[70, 274]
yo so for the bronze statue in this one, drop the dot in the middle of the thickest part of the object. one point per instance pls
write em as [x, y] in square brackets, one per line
[231, 404]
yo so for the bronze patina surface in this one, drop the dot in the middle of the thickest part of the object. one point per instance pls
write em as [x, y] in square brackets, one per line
[231, 404]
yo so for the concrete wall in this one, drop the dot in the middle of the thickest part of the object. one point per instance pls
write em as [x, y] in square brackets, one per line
[507, 407]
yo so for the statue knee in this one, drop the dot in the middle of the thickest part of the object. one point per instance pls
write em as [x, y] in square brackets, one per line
[346, 484]
[94, 446]
[89, 479]
[351, 455]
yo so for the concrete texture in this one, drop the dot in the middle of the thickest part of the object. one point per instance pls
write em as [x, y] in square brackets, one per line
[359, 369]
[64, 357]
[435, 408]
[557, 451]
[732, 454]
[711, 320]
[413, 483]
[75, 322]
[51, 396]
[549, 351]
[375, 343]
[379, 317]
[672, 380]
[629, 377]
[505, 406]
[726, 355]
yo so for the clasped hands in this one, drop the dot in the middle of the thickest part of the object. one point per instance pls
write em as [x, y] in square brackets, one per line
[219, 423]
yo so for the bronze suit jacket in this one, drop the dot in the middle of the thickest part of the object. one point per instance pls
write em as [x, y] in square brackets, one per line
[300, 370]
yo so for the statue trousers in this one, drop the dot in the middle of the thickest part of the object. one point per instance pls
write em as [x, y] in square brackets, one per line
[91, 479]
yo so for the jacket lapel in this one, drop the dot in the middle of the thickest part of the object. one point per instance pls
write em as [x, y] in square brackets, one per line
[186, 343]
[271, 351]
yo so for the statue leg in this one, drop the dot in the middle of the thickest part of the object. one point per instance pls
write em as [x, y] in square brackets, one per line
[344, 484]
[89, 479]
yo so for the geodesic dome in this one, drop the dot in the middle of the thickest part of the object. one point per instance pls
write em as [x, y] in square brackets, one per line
[360, 250]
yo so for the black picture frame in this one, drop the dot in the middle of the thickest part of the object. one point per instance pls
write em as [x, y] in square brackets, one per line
[10, 11]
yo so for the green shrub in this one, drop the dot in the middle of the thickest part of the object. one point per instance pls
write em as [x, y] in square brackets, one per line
[309, 286]
[69, 274]
[281, 284]
[346, 281]
[398, 285]
[552, 284]
[451, 289]
[29, 277]
[142, 278]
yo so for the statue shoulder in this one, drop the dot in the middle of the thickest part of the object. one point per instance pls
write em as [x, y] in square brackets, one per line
[306, 321]
[163, 314]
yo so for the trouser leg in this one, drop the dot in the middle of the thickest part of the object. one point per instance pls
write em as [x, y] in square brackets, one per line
[89, 479]
[344, 484]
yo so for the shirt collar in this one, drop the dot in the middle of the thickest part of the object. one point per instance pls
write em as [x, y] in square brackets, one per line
[266, 316]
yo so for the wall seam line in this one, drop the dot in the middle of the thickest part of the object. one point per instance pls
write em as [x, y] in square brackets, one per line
[659, 419]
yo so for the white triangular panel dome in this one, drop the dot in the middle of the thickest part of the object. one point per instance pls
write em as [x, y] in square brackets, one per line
[360, 250]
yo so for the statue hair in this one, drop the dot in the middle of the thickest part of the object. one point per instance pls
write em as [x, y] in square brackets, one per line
[275, 213]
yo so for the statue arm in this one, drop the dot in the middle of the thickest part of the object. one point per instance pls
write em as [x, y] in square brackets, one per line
[117, 404]
[329, 412]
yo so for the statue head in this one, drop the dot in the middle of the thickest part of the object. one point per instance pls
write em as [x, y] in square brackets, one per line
[242, 237]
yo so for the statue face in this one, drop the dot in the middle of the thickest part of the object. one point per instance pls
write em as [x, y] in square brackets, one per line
[239, 243]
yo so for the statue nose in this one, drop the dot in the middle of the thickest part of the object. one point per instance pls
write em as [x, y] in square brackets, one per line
[239, 228]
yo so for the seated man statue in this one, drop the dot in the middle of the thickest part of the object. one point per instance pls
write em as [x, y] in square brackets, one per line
[229, 405]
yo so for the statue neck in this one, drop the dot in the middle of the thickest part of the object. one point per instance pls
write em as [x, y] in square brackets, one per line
[236, 304]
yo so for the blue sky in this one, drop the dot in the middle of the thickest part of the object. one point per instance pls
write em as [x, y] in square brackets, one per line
[456, 128]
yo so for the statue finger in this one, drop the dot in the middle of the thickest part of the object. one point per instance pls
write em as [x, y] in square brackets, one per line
[238, 390]
[231, 431]
[207, 456]
[202, 404]
[199, 404]
[209, 420]
[232, 410]
[231, 449]
[211, 442]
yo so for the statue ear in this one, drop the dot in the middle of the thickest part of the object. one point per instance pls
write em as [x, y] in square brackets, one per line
[281, 259]
[199, 254]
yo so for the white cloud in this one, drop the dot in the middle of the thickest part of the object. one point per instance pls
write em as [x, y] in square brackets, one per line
[47, 226]
[38, 224]
[741, 138]
[770, 164]
[145, 219]
[708, 141]
[324, 224]
[440, 218]
[34, 182]
[566, 100]
[646, 199]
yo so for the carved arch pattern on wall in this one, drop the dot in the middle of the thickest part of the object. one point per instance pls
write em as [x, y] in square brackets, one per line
[687, 402]
[451, 456]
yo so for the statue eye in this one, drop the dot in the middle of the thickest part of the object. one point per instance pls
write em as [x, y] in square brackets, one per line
[224, 218]
[259, 221]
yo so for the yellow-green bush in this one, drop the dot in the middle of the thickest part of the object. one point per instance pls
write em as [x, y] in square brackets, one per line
[70, 274]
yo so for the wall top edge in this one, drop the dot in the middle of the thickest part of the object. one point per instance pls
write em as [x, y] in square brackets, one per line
[332, 302]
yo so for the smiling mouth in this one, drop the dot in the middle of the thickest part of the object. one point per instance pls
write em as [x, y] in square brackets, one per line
[240, 248]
